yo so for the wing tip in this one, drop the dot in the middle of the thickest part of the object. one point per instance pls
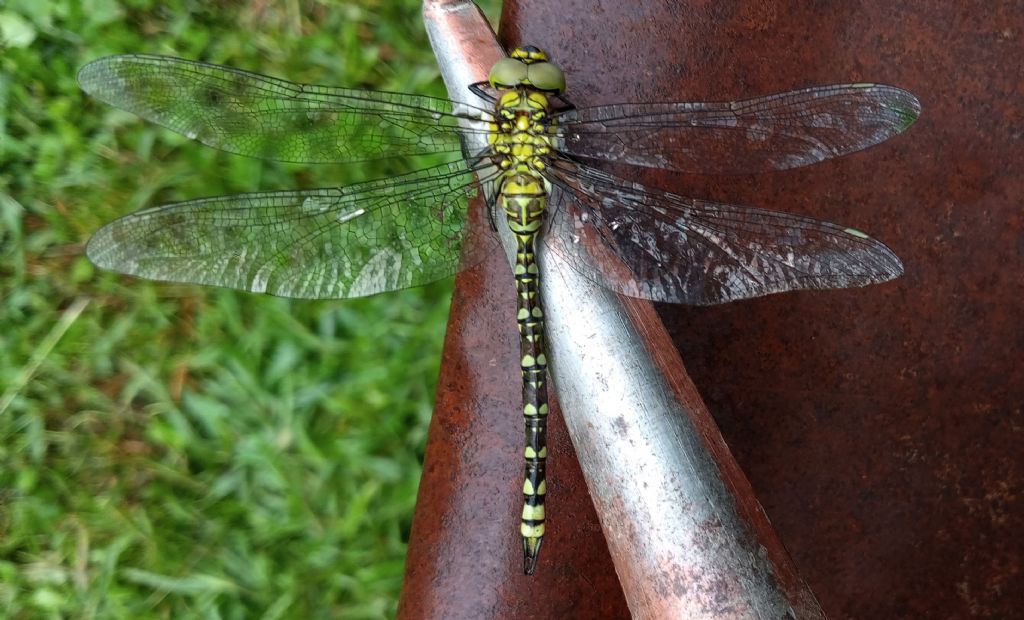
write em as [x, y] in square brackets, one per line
[95, 252]
[905, 107]
[907, 112]
[95, 76]
[893, 266]
[89, 73]
[886, 264]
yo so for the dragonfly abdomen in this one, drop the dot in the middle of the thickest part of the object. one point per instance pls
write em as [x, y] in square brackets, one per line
[521, 140]
[523, 197]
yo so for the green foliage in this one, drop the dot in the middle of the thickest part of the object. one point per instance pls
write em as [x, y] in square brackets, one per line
[170, 451]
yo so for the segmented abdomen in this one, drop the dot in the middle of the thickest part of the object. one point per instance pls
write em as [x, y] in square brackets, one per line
[524, 199]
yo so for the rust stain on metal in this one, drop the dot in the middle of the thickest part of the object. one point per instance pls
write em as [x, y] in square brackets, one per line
[879, 427]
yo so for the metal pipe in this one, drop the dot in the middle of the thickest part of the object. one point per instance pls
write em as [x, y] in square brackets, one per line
[687, 537]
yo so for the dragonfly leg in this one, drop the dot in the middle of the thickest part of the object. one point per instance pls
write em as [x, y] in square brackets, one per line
[477, 88]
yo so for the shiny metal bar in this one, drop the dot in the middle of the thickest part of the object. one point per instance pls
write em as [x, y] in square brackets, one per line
[687, 536]
[464, 44]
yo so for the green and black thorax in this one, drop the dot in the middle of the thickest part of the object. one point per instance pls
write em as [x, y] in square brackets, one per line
[522, 132]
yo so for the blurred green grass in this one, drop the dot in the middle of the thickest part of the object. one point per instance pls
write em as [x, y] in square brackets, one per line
[173, 451]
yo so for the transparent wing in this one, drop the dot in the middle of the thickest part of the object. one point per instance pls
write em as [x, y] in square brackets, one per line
[776, 132]
[266, 117]
[651, 244]
[328, 243]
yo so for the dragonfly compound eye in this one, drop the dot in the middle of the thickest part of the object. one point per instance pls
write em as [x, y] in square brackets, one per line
[507, 73]
[547, 76]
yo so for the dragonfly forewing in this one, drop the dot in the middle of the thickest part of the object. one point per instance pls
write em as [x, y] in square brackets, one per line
[776, 132]
[647, 243]
[351, 241]
[259, 116]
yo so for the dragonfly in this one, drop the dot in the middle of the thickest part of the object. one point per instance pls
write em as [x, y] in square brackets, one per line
[530, 153]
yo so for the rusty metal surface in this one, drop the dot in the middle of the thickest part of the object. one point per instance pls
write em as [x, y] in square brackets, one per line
[881, 427]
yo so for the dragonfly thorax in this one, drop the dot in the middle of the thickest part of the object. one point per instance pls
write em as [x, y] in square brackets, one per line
[521, 136]
[521, 142]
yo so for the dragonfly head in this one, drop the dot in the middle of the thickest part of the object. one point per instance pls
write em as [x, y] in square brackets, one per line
[527, 66]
